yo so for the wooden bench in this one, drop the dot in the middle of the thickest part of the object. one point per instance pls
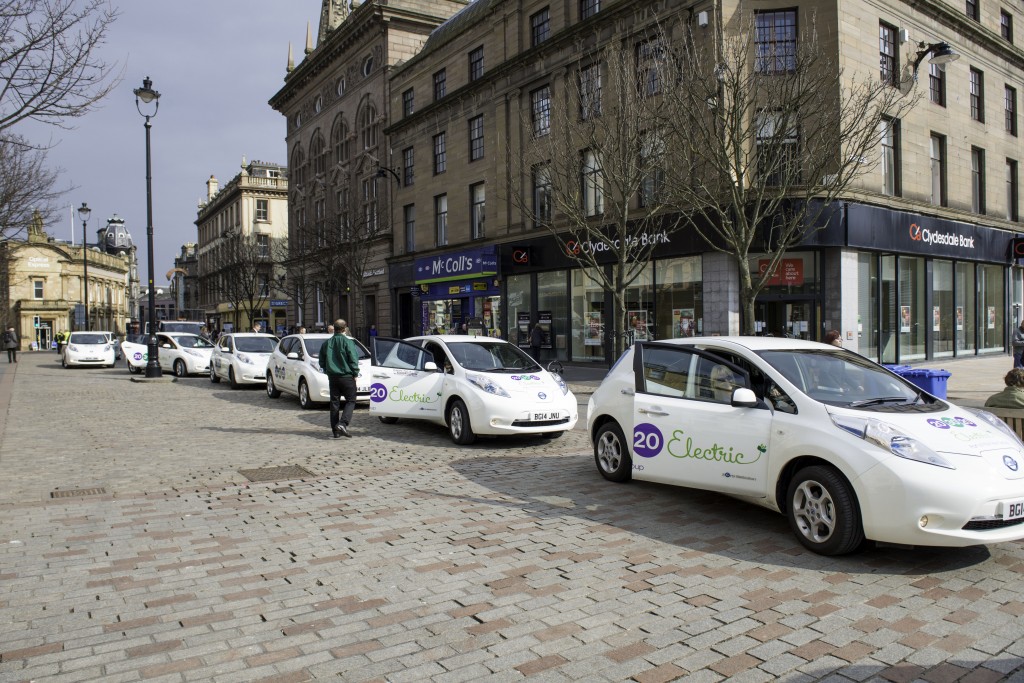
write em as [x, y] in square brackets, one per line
[1014, 417]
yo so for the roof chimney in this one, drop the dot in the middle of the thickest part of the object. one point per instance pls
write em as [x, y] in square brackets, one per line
[211, 187]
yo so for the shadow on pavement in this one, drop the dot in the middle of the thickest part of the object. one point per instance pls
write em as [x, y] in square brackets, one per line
[693, 520]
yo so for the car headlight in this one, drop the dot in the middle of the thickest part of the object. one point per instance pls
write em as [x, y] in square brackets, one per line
[316, 366]
[242, 358]
[486, 385]
[72, 347]
[193, 352]
[890, 438]
[994, 421]
[561, 383]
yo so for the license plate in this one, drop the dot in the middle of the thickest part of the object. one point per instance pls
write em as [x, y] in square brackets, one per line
[543, 417]
[1012, 509]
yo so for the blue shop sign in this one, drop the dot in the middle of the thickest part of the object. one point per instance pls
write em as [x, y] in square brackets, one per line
[461, 265]
[458, 290]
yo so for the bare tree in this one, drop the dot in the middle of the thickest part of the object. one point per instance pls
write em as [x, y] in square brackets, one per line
[764, 140]
[27, 186]
[50, 68]
[246, 280]
[595, 167]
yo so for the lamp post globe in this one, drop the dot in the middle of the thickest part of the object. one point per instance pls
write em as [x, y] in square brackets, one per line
[147, 96]
[83, 213]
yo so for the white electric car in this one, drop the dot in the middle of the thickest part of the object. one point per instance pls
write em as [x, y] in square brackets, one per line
[89, 348]
[294, 368]
[241, 358]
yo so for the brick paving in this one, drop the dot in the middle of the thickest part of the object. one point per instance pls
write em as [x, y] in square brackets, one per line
[132, 549]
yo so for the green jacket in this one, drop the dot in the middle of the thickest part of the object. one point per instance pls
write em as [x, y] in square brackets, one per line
[338, 356]
[1010, 397]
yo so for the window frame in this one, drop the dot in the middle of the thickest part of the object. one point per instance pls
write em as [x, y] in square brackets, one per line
[540, 111]
[1012, 190]
[1010, 109]
[477, 210]
[972, 10]
[476, 63]
[892, 181]
[938, 170]
[1006, 26]
[476, 138]
[408, 102]
[590, 90]
[440, 147]
[409, 227]
[592, 184]
[441, 220]
[888, 54]
[262, 210]
[976, 79]
[38, 289]
[589, 8]
[937, 84]
[768, 57]
[408, 166]
[540, 177]
[440, 80]
[540, 26]
[978, 180]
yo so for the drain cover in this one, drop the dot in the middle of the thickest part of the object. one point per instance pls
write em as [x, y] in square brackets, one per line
[76, 493]
[277, 473]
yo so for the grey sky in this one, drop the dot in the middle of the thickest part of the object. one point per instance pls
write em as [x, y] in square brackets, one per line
[215, 64]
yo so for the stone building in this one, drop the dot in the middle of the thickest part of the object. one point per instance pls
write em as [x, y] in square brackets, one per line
[44, 280]
[184, 279]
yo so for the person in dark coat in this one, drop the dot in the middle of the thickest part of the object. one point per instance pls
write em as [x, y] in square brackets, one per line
[1012, 395]
[536, 339]
[11, 343]
[340, 361]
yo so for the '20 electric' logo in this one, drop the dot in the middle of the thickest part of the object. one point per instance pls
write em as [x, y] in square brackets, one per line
[647, 440]
[378, 392]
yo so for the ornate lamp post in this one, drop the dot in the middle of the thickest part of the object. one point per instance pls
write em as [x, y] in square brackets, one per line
[83, 213]
[146, 95]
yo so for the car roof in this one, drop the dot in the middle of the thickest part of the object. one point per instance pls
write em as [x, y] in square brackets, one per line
[754, 344]
[251, 334]
[456, 338]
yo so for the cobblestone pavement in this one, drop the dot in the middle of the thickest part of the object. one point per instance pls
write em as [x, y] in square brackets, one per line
[134, 549]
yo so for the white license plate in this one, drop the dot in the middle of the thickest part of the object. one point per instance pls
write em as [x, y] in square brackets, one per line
[1012, 509]
[363, 390]
[543, 417]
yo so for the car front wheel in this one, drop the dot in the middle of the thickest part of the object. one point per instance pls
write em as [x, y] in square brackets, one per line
[304, 398]
[214, 377]
[388, 420]
[179, 368]
[232, 380]
[823, 511]
[272, 391]
[132, 370]
[611, 453]
[458, 424]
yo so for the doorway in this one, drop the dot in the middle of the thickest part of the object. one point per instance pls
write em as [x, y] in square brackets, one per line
[790, 318]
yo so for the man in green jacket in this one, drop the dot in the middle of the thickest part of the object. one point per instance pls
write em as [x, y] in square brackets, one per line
[339, 359]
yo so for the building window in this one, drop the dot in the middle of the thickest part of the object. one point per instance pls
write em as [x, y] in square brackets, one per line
[540, 27]
[440, 220]
[440, 87]
[37, 289]
[369, 192]
[440, 154]
[408, 102]
[652, 153]
[938, 169]
[937, 84]
[476, 211]
[888, 57]
[891, 157]
[590, 91]
[540, 111]
[977, 180]
[972, 10]
[408, 167]
[650, 56]
[320, 221]
[977, 95]
[368, 65]
[409, 221]
[1010, 110]
[593, 184]
[263, 246]
[776, 149]
[476, 63]
[318, 150]
[1006, 25]
[262, 210]
[340, 140]
[541, 195]
[1012, 190]
[368, 125]
[775, 41]
[476, 138]
[589, 8]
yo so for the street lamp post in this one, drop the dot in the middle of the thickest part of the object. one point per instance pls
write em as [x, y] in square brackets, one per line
[146, 95]
[83, 213]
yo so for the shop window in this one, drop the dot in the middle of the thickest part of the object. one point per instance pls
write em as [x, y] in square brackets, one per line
[913, 320]
[991, 290]
[553, 314]
[965, 308]
[588, 316]
[867, 305]
[520, 294]
[943, 319]
[678, 298]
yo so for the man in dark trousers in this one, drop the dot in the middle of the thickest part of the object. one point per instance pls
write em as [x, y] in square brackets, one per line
[536, 339]
[11, 343]
[339, 359]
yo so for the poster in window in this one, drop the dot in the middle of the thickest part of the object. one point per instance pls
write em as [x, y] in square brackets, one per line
[682, 322]
[904, 318]
[936, 318]
[637, 325]
[594, 332]
[991, 317]
[959, 317]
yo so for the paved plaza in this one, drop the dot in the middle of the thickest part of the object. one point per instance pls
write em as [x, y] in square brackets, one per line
[135, 547]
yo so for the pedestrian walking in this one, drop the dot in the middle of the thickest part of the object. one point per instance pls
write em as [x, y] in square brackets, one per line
[59, 338]
[11, 343]
[536, 339]
[1018, 346]
[340, 361]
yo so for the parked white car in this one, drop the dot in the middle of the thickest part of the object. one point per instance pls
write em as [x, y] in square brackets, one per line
[135, 350]
[183, 353]
[472, 385]
[89, 348]
[241, 358]
[846, 449]
[294, 368]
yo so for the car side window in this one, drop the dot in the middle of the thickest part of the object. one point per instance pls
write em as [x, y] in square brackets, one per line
[666, 372]
[762, 385]
[287, 345]
[440, 358]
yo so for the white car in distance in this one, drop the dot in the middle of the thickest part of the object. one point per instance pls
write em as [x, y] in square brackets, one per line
[472, 385]
[89, 348]
[294, 369]
[241, 358]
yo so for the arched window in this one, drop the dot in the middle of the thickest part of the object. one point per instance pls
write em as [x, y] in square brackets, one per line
[339, 140]
[368, 125]
[297, 167]
[318, 153]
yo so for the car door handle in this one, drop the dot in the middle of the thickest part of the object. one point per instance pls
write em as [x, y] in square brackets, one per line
[380, 375]
[647, 411]
[627, 392]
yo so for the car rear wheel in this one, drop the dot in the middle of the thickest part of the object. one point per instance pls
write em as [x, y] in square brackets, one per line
[388, 420]
[132, 370]
[823, 511]
[232, 380]
[179, 368]
[304, 398]
[272, 391]
[458, 424]
[214, 377]
[611, 453]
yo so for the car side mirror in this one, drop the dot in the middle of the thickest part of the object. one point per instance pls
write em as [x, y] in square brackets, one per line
[292, 356]
[165, 346]
[743, 398]
[430, 366]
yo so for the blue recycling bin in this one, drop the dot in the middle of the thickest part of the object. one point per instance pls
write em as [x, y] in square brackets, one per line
[898, 369]
[932, 381]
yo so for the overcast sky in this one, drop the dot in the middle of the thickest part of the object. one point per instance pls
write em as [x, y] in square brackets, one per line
[215, 64]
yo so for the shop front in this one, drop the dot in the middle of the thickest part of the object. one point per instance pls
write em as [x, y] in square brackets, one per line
[459, 293]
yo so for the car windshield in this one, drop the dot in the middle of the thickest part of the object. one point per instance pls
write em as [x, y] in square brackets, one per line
[88, 338]
[491, 357]
[255, 344]
[841, 378]
[193, 342]
[190, 327]
[137, 339]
